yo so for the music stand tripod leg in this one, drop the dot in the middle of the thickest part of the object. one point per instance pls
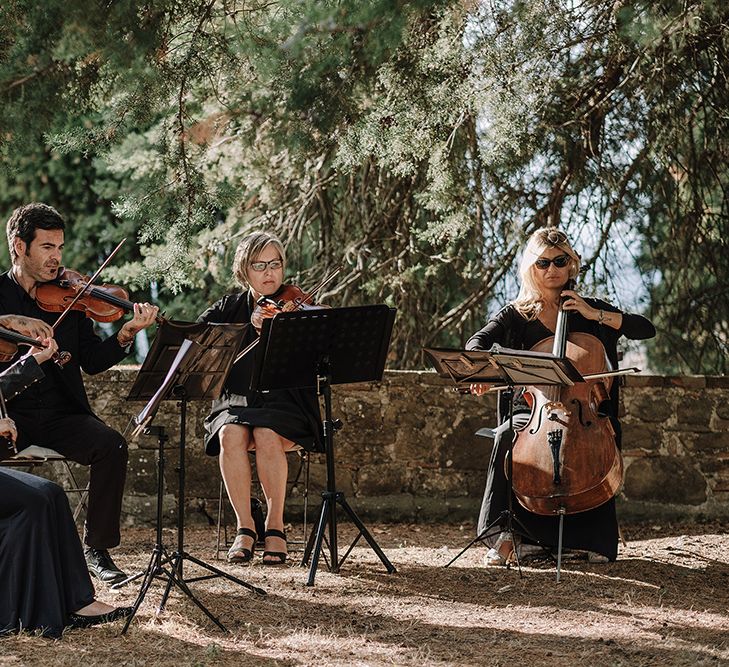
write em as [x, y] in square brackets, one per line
[366, 534]
[185, 589]
[180, 556]
[154, 568]
[507, 518]
[498, 521]
[331, 496]
[318, 540]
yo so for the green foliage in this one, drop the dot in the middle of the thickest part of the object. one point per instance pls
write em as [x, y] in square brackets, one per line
[417, 144]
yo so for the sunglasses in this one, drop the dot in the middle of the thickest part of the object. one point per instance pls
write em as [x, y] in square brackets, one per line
[274, 264]
[560, 262]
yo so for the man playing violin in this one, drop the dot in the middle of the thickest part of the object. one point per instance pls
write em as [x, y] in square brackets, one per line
[55, 412]
[547, 264]
[270, 423]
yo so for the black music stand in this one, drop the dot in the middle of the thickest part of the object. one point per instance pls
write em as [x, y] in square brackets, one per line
[315, 349]
[186, 362]
[507, 369]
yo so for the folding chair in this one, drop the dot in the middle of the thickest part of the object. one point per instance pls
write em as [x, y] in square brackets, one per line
[34, 456]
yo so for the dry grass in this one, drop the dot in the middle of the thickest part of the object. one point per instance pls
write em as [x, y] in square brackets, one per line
[665, 602]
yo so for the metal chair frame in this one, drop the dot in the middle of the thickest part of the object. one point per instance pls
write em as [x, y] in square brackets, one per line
[35, 456]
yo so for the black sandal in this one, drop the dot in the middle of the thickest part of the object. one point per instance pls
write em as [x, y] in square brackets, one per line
[237, 546]
[280, 556]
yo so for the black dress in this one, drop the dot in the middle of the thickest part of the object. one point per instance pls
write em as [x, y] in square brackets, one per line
[292, 413]
[43, 573]
[594, 530]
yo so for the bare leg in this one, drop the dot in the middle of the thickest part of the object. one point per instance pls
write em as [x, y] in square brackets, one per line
[235, 467]
[273, 472]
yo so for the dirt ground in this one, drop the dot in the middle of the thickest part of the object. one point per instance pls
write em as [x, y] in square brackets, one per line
[664, 602]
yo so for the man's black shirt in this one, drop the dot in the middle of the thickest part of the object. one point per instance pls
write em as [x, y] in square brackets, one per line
[62, 389]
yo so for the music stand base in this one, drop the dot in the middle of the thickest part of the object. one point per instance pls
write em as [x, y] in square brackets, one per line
[159, 558]
[506, 520]
[327, 515]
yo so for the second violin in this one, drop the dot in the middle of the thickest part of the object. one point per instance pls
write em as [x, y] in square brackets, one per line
[9, 341]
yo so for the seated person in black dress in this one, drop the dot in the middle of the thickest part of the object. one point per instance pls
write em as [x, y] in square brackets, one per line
[45, 583]
[270, 423]
[549, 261]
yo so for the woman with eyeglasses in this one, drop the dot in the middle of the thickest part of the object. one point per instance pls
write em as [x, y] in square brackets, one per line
[269, 423]
[548, 263]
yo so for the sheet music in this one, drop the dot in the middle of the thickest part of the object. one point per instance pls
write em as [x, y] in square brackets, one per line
[464, 366]
[529, 372]
[151, 407]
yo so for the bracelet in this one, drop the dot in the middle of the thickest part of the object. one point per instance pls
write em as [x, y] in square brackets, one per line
[601, 316]
[124, 342]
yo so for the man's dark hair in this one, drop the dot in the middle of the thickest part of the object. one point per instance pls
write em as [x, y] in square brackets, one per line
[26, 219]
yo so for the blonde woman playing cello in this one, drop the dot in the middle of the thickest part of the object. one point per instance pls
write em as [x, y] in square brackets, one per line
[548, 263]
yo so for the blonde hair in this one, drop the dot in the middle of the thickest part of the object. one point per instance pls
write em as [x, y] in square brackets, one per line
[249, 249]
[529, 302]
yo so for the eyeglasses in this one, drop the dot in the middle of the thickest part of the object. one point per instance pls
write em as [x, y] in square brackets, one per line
[560, 262]
[274, 264]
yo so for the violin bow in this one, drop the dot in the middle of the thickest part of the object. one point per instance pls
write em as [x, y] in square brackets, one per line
[325, 281]
[88, 284]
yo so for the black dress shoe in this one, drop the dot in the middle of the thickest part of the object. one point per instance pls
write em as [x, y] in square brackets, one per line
[102, 566]
[78, 621]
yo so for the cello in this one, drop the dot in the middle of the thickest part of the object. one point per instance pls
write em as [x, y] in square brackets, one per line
[566, 459]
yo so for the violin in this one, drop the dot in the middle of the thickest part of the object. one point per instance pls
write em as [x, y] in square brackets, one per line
[290, 298]
[566, 459]
[266, 307]
[102, 303]
[9, 341]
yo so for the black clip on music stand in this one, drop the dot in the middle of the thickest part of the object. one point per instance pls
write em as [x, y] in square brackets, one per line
[315, 349]
[186, 362]
[508, 369]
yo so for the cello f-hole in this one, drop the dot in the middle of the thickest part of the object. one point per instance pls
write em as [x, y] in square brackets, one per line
[587, 423]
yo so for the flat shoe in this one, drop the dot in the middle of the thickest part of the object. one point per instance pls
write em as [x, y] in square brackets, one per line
[279, 556]
[237, 552]
[595, 557]
[79, 621]
[500, 553]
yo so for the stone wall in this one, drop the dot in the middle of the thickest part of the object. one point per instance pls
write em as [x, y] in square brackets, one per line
[408, 450]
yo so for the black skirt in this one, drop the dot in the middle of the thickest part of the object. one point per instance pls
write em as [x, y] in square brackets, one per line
[42, 567]
[288, 412]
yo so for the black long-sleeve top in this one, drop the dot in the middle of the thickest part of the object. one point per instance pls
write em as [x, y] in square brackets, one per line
[61, 389]
[512, 330]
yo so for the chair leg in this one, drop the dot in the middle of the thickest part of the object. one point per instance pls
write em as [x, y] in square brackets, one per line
[83, 493]
[221, 517]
